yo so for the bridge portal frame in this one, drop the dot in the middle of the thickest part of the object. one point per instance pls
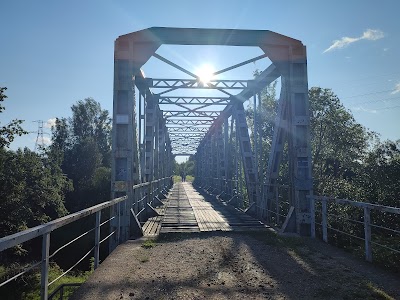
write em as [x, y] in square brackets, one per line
[289, 61]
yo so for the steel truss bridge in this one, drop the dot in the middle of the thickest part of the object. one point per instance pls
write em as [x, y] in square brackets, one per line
[154, 121]
[213, 129]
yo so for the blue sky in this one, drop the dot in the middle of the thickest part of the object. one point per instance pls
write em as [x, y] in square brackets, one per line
[54, 53]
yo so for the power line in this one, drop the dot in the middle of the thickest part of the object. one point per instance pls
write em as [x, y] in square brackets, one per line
[377, 100]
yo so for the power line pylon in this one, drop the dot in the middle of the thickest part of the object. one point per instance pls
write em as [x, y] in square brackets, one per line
[39, 137]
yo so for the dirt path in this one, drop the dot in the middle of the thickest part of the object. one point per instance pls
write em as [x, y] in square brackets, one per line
[235, 266]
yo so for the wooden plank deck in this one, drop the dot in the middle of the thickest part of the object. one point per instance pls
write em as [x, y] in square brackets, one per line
[186, 210]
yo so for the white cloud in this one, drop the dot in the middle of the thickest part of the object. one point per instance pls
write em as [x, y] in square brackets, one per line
[360, 108]
[46, 140]
[369, 34]
[396, 89]
[50, 122]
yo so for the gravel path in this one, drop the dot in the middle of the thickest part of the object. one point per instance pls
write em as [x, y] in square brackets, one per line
[235, 266]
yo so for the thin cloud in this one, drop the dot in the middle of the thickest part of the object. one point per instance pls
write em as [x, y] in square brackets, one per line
[42, 140]
[396, 89]
[369, 34]
[360, 108]
[50, 123]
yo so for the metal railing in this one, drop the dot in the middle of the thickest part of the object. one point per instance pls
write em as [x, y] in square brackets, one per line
[329, 213]
[144, 194]
[60, 291]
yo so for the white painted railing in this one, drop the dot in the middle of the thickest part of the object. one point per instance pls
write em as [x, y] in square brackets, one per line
[366, 221]
[144, 194]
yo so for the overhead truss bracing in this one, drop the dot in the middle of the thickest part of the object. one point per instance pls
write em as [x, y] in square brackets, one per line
[196, 84]
[194, 100]
[178, 117]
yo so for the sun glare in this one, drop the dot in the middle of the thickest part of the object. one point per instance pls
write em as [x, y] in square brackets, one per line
[205, 73]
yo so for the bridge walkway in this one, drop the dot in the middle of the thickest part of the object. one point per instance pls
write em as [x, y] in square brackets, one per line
[186, 210]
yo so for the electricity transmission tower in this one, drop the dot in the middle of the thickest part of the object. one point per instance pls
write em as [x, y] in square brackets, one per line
[39, 144]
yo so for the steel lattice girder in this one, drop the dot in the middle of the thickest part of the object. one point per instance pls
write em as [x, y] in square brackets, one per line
[177, 113]
[193, 83]
[189, 122]
[172, 129]
[194, 100]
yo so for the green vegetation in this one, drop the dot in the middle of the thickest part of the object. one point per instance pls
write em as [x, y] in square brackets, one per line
[74, 173]
[9, 131]
[348, 162]
[71, 174]
[185, 168]
[147, 244]
[28, 287]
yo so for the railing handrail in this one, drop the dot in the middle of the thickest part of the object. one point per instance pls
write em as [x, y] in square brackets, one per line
[31, 233]
[389, 209]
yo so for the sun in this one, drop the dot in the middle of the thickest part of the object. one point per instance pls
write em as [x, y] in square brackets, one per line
[205, 73]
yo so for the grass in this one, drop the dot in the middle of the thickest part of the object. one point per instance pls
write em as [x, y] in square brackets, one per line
[147, 244]
[189, 178]
[28, 287]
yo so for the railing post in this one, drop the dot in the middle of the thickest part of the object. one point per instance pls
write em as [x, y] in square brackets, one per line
[97, 240]
[119, 223]
[312, 212]
[44, 279]
[277, 204]
[367, 232]
[324, 221]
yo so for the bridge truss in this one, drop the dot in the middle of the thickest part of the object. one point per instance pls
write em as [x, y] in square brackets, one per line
[155, 120]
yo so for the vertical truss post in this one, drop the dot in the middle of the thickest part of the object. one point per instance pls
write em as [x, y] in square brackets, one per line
[199, 166]
[236, 161]
[161, 146]
[260, 153]
[293, 122]
[141, 132]
[214, 157]
[170, 157]
[149, 137]
[255, 124]
[278, 141]
[246, 152]
[125, 170]
[157, 118]
[300, 150]
[208, 162]
[220, 157]
[226, 156]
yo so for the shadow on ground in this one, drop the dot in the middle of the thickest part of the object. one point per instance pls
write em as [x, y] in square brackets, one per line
[232, 265]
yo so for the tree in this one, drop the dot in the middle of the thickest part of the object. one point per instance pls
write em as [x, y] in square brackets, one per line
[90, 121]
[339, 143]
[9, 131]
[32, 190]
[381, 174]
[84, 143]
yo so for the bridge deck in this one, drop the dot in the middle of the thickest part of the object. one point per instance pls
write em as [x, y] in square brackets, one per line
[186, 210]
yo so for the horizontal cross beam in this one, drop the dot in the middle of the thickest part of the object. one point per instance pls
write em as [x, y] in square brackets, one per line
[193, 83]
[194, 100]
[181, 113]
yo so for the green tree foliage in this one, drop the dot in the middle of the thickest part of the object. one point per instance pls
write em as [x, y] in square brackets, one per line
[186, 167]
[32, 190]
[381, 173]
[84, 143]
[9, 131]
[339, 144]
